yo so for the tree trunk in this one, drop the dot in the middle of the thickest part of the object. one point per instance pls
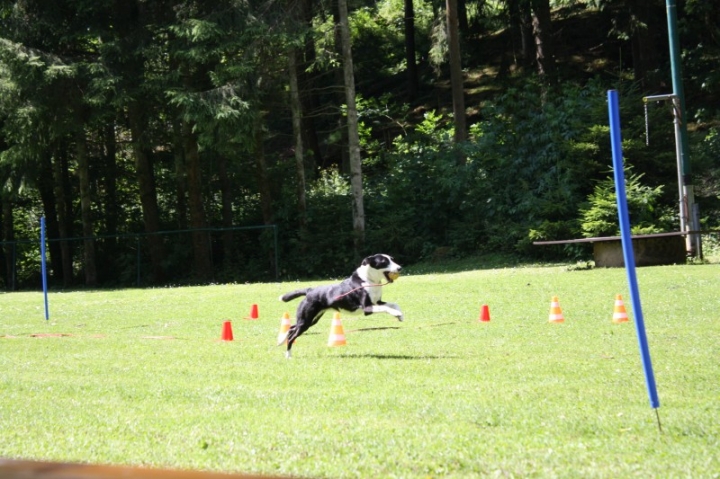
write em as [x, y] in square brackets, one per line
[64, 223]
[3, 257]
[295, 106]
[340, 93]
[261, 173]
[112, 208]
[308, 97]
[51, 205]
[86, 209]
[520, 31]
[644, 48]
[227, 213]
[526, 33]
[456, 75]
[8, 234]
[410, 50]
[202, 259]
[463, 25]
[356, 180]
[148, 195]
[542, 30]
[180, 176]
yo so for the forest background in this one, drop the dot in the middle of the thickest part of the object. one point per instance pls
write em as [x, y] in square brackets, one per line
[198, 141]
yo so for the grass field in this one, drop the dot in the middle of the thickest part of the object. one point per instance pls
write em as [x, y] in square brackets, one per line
[139, 377]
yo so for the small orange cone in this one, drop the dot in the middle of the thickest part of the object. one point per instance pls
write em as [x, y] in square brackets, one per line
[284, 328]
[337, 334]
[253, 312]
[619, 313]
[227, 334]
[484, 314]
[556, 315]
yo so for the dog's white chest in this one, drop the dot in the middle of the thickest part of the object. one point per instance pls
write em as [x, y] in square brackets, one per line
[375, 293]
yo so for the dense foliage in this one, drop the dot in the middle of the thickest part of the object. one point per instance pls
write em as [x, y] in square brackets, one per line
[156, 137]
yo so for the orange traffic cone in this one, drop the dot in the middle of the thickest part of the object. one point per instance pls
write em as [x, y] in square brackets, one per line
[253, 312]
[337, 334]
[284, 328]
[484, 314]
[227, 334]
[619, 313]
[556, 315]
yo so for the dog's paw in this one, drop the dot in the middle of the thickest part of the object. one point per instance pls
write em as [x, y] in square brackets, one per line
[400, 318]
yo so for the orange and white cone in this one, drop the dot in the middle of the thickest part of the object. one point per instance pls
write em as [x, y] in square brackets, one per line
[556, 315]
[337, 334]
[619, 313]
[284, 328]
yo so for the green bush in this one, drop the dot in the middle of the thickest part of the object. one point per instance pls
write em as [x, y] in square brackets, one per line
[600, 216]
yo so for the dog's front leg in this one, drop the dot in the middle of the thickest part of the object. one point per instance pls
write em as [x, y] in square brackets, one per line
[396, 307]
[389, 308]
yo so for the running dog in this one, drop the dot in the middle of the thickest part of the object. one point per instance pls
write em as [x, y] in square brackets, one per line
[361, 291]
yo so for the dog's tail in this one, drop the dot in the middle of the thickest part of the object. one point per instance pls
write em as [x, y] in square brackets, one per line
[294, 294]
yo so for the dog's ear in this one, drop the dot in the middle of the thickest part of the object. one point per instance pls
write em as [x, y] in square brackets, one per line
[372, 261]
[376, 261]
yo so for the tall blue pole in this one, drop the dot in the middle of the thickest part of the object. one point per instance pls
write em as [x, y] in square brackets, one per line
[43, 264]
[628, 253]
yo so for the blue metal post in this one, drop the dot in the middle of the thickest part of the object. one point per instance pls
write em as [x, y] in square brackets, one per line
[628, 254]
[43, 264]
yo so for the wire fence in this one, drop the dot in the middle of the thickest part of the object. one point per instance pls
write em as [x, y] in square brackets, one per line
[239, 253]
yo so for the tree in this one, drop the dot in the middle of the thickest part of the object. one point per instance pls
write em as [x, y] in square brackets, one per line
[644, 27]
[8, 235]
[305, 60]
[542, 30]
[86, 201]
[60, 180]
[410, 51]
[356, 180]
[125, 58]
[43, 123]
[520, 21]
[456, 74]
[296, 111]
[200, 239]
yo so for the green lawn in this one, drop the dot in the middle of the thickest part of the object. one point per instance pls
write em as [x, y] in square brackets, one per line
[139, 377]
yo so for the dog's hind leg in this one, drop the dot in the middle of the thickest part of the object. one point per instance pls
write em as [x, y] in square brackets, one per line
[300, 327]
[295, 331]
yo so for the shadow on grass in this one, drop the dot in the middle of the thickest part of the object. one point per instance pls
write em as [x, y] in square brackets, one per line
[402, 357]
[379, 328]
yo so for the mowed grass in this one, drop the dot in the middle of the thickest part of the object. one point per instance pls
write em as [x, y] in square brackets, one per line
[141, 378]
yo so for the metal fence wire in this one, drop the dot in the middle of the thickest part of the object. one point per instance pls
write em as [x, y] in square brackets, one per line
[238, 254]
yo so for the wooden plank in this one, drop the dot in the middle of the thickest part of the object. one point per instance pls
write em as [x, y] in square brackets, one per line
[21, 469]
[615, 238]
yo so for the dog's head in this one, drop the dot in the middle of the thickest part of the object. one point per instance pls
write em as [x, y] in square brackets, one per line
[379, 267]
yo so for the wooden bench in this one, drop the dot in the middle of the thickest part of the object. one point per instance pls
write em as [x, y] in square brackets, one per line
[650, 250]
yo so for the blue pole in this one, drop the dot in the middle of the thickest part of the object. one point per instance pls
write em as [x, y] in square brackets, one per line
[628, 254]
[43, 263]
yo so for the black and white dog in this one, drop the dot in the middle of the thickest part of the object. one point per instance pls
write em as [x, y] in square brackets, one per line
[361, 291]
